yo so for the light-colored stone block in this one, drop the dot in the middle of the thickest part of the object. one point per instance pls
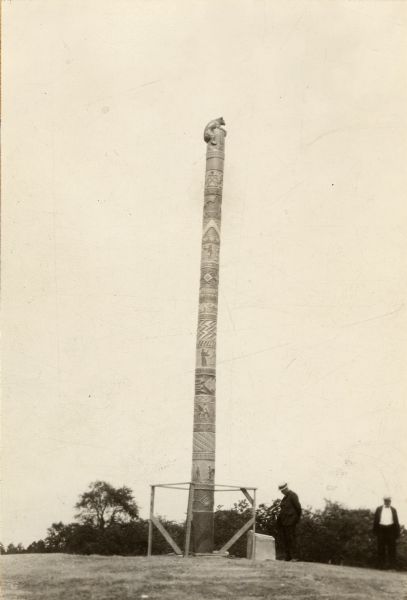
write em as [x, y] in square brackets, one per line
[261, 547]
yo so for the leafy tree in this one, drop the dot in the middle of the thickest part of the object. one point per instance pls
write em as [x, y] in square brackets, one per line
[12, 549]
[37, 547]
[58, 537]
[108, 524]
[103, 505]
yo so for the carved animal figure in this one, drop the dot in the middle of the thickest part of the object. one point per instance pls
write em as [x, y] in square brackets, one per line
[205, 385]
[209, 133]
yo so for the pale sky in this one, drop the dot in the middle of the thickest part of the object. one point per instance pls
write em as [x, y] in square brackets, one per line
[104, 106]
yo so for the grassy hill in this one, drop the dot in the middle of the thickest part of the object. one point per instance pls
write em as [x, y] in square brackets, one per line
[68, 577]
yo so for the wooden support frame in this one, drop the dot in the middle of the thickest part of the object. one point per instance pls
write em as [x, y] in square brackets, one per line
[189, 486]
[189, 519]
[150, 522]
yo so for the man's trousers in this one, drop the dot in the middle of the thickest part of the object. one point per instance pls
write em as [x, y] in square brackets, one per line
[386, 541]
[289, 539]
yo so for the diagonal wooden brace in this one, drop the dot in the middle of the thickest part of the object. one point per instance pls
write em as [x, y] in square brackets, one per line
[246, 493]
[166, 535]
[237, 535]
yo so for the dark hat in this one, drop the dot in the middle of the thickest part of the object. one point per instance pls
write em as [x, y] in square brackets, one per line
[282, 486]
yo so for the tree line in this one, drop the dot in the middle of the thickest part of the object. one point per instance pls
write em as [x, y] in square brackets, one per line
[107, 522]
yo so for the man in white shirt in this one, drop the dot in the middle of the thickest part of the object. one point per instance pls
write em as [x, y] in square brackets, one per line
[387, 529]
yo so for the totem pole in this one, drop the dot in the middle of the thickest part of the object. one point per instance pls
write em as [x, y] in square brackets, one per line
[203, 453]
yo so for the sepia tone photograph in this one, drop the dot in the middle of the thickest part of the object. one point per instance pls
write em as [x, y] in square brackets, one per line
[204, 330]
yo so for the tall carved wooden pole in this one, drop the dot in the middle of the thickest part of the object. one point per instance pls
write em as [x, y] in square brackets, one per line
[203, 454]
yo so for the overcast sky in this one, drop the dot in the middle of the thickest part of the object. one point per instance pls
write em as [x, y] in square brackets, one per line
[104, 105]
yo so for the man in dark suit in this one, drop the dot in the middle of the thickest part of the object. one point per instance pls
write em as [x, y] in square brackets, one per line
[290, 513]
[387, 529]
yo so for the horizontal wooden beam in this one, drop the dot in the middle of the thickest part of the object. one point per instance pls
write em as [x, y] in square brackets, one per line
[173, 487]
[171, 484]
[234, 487]
[227, 490]
[215, 486]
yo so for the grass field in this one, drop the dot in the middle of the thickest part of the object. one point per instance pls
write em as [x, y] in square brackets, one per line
[66, 577]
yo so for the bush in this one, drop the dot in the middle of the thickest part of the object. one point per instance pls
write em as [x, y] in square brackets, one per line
[342, 536]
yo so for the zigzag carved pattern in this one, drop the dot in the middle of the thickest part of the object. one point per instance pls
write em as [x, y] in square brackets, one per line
[206, 333]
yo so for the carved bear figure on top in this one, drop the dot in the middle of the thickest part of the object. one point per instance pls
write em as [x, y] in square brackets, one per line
[209, 133]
